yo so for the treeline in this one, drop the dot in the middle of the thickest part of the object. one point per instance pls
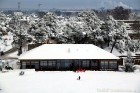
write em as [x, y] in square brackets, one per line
[118, 13]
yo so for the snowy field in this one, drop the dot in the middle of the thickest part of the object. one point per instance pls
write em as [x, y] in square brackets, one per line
[66, 82]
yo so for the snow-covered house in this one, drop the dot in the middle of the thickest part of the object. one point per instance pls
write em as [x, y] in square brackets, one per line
[68, 57]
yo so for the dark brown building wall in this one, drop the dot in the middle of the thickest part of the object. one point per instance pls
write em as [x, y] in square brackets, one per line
[120, 61]
[137, 62]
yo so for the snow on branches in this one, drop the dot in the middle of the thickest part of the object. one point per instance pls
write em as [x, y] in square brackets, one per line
[83, 28]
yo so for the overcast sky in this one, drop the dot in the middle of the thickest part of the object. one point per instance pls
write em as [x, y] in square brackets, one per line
[70, 4]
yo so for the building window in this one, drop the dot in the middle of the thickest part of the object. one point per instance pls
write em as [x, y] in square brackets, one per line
[23, 65]
[85, 63]
[94, 63]
[43, 63]
[28, 65]
[104, 65]
[67, 64]
[112, 65]
[51, 63]
[35, 64]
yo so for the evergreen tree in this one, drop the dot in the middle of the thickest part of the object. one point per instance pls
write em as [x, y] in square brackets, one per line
[129, 63]
[120, 13]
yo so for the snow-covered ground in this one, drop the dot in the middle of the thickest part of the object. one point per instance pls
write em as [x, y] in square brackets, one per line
[66, 82]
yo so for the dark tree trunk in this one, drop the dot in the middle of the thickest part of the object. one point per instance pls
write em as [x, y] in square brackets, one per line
[20, 45]
[108, 41]
[20, 51]
[113, 44]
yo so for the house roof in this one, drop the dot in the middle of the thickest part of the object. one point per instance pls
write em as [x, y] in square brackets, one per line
[67, 51]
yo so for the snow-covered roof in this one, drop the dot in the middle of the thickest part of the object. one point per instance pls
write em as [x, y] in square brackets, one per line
[67, 51]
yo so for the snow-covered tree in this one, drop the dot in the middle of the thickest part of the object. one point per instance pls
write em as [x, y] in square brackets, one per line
[44, 28]
[51, 24]
[113, 32]
[81, 29]
[129, 63]
[86, 27]
[19, 33]
[130, 45]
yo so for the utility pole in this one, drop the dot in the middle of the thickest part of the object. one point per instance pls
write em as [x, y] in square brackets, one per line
[39, 5]
[20, 39]
[19, 33]
[20, 43]
[19, 3]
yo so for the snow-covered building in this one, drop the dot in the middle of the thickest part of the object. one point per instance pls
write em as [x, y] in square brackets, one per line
[18, 13]
[130, 30]
[68, 57]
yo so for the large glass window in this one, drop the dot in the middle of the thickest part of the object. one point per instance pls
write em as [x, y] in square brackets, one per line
[43, 63]
[85, 63]
[67, 64]
[51, 63]
[23, 65]
[104, 65]
[108, 65]
[112, 65]
[94, 63]
[35, 64]
[28, 65]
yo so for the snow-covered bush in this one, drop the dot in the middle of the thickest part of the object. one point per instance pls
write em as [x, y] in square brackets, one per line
[130, 45]
[119, 47]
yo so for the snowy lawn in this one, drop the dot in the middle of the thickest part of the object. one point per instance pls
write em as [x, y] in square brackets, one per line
[66, 82]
